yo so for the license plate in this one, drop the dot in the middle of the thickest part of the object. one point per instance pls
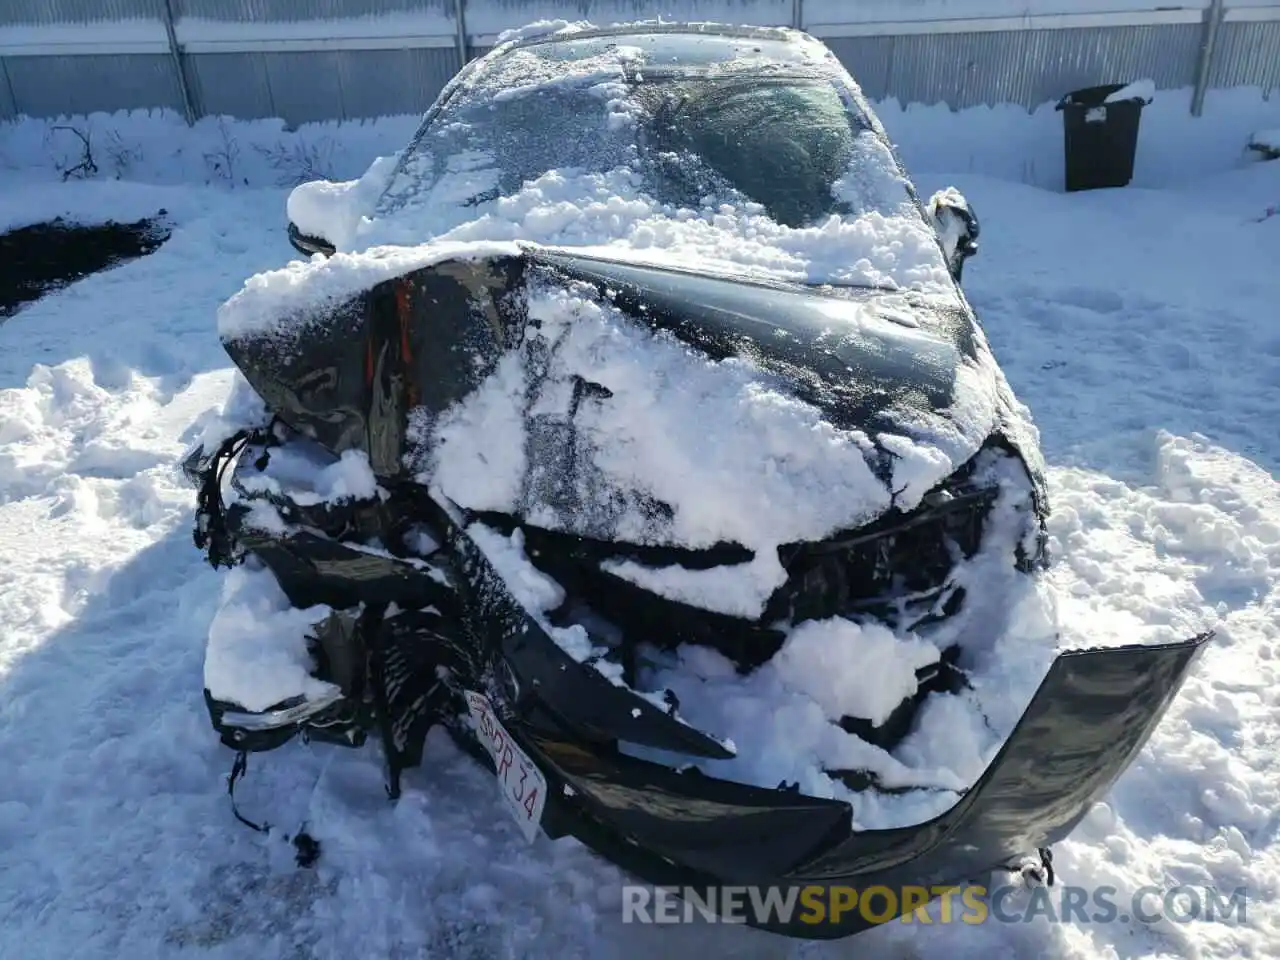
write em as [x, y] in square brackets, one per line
[521, 783]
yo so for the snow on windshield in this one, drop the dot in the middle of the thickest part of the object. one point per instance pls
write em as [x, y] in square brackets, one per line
[739, 165]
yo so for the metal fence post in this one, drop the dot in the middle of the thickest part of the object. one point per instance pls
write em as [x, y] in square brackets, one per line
[175, 52]
[464, 47]
[1212, 24]
[8, 86]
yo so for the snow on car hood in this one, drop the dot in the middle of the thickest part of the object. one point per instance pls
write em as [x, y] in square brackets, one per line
[601, 424]
[668, 445]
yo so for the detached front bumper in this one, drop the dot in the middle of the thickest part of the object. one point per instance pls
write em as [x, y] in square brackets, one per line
[1093, 712]
[1091, 715]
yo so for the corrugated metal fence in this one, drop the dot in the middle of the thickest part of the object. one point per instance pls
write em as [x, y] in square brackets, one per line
[348, 59]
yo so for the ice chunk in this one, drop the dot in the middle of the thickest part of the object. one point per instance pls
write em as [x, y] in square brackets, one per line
[853, 670]
[740, 590]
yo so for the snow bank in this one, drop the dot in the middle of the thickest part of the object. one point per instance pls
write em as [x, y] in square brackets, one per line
[88, 203]
[157, 147]
[1007, 142]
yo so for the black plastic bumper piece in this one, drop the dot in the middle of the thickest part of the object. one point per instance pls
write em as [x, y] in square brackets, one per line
[1093, 712]
[1089, 718]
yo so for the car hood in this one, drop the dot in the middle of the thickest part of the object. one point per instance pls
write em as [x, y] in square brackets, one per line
[747, 412]
[871, 359]
[619, 400]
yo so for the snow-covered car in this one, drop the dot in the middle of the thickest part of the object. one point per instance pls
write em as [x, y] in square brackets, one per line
[631, 425]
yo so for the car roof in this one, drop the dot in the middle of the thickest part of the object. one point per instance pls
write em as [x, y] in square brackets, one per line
[680, 44]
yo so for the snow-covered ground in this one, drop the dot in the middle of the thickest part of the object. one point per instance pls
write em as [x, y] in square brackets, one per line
[1139, 325]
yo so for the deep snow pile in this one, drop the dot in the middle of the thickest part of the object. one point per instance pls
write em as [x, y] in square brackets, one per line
[1154, 391]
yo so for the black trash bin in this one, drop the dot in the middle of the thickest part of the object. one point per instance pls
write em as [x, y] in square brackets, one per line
[1100, 139]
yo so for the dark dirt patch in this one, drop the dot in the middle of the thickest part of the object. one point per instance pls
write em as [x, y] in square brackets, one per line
[46, 256]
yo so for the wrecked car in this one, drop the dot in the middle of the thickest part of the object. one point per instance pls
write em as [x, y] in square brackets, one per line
[631, 425]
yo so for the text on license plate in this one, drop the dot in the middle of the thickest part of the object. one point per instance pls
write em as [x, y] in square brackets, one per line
[520, 782]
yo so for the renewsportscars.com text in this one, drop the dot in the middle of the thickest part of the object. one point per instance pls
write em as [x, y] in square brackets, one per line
[972, 904]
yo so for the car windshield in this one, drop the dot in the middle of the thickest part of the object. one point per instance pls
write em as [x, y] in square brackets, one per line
[784, 143]
[754, 166]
